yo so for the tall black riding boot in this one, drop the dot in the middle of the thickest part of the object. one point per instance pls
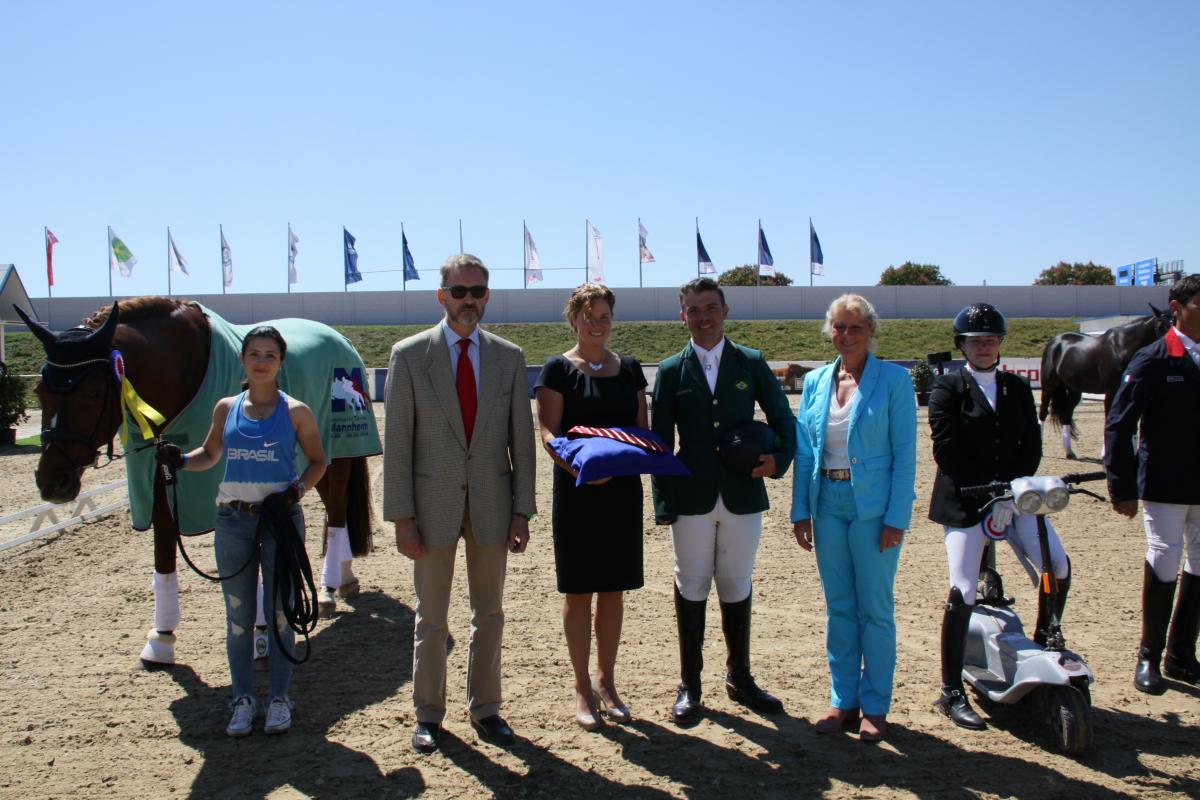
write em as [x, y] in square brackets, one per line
[689, 617]
[1180, 662]
[739, 683]
[953, 702]
[1156, 610]
[1040, 631]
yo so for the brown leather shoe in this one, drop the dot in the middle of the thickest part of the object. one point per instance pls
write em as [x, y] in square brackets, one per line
[873, 728]
[837, 720]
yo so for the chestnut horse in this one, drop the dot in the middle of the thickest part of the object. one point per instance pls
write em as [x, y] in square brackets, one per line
[1075, 363]
[154, 352]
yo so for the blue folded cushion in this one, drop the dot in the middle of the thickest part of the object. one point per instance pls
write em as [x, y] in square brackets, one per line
[597, 457]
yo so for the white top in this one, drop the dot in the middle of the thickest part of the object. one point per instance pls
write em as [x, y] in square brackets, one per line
[710, 361]
[836, 454]
[472, 351]
[986, 381]
[1192, 349]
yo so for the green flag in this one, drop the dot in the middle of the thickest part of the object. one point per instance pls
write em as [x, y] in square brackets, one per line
[121, 256]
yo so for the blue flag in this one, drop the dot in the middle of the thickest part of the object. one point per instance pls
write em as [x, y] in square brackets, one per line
[410, 267]
[704, 265]
[764, 252]
[352, 273]
[816, 259]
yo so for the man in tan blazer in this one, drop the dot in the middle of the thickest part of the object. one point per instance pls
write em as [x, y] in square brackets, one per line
[458, 462]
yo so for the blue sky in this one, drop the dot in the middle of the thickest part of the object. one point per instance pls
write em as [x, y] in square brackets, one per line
[992, 139]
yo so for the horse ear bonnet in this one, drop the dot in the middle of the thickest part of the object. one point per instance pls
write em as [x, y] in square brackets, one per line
[742, 445]
[72, 354]
[980, 319]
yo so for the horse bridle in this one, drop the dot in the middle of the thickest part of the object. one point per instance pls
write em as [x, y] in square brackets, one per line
[56, 435]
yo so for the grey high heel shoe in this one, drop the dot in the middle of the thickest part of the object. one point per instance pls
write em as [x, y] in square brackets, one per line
[617, 713]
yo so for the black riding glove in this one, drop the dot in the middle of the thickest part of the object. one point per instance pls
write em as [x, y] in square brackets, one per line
[170, 455]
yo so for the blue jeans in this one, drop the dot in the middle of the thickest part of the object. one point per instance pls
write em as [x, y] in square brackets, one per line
[860, 637]
[236, 541]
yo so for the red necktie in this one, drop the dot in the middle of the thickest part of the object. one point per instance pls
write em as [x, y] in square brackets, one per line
[464, 381]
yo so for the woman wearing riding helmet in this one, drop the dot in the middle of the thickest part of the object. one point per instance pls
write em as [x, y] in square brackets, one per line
[985, 428]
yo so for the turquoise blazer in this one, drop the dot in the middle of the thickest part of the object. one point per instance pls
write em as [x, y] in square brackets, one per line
[882, 443]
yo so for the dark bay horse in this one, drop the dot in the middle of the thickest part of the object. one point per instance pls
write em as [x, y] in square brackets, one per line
[1075, 363]
[166, 349]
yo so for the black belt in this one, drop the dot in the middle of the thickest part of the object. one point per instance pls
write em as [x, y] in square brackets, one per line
[836, 474]
[241, 505]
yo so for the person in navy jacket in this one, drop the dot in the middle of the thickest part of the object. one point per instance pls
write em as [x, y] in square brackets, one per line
[1161, 392]
[852, 498]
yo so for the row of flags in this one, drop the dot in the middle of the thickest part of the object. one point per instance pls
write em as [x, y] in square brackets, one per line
[122, 260]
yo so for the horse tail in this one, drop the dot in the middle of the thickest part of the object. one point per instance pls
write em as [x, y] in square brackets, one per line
[1063, 401]
[360, 517]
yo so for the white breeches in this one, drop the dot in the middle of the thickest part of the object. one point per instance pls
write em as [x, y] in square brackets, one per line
[718, 545]
[1171, 530]
[964, 549]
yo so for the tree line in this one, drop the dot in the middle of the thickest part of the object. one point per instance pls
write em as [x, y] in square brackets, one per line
[912, 274]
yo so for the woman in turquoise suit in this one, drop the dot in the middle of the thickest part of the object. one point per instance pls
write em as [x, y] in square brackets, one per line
[852, 497]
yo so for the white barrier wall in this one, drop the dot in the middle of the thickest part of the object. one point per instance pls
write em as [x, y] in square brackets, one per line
[656, 303]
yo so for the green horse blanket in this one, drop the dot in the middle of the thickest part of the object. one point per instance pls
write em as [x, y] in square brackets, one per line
[322, 369]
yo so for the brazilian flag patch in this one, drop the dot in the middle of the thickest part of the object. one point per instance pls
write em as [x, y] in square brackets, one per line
[742, 386]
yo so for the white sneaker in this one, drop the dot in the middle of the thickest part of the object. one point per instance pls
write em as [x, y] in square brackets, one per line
[279, 716]
[242, 721]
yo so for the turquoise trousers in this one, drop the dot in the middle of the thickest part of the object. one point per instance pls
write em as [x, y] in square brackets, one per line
[860, 637]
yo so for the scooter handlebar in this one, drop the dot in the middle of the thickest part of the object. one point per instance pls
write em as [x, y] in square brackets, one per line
[995, 487]
[1083, 477]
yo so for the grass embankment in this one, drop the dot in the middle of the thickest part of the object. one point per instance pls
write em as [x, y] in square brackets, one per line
[780, 340]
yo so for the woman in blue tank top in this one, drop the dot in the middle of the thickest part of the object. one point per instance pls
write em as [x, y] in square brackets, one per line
[257, 433]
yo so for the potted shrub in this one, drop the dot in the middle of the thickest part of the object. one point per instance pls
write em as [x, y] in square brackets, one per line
[922, 379]
[12, 405]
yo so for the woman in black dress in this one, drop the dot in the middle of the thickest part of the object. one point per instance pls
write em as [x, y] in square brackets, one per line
[597, 526]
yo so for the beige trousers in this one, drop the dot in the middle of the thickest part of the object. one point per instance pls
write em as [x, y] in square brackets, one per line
[433, 575]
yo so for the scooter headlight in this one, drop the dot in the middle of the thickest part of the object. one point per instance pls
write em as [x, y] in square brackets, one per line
[1057, 498]
[1028, 502]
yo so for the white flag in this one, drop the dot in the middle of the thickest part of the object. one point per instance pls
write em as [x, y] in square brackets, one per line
[175, 260]
[226, 261]
[644, 253]
[595, 255]
[533, 265]
[293, 240]
[119, 256]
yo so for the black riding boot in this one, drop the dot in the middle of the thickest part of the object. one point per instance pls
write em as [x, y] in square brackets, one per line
[1180, 662]
[953, 702]
[689, 617]
[1156, 610]
[1040, 631]
[739, 683]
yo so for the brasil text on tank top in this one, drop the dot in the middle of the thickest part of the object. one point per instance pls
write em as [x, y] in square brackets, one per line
[260, 455]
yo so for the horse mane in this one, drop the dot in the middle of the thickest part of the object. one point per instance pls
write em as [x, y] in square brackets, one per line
[137, 308]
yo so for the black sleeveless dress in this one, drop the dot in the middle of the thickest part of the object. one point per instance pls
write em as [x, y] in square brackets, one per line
[597, 529]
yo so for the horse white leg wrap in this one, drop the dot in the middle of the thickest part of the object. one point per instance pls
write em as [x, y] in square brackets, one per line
[337, 550]
[1066, 434]
[166, 601]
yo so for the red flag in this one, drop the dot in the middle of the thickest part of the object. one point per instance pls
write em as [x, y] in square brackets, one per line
[51, 240]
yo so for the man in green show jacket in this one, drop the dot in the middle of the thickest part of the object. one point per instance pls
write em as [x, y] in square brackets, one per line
[711, 386]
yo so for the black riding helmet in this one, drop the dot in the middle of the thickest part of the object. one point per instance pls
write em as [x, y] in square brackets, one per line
[979, 319]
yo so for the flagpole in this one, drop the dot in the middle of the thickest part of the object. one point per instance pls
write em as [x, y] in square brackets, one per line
[168, 261]
[221, 229]
[525, 254]
[345, 261]
[460, 239]
[697, 247]
[49, 267]
[639, 252]
[810, 253]
[586, 223]
[289, 258]
[109, 260]
[758, 258]
[404, 266]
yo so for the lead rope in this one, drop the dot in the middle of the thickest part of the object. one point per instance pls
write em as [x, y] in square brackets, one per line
[294, 587]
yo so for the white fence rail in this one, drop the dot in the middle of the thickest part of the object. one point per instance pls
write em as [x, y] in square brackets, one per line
[84, 510]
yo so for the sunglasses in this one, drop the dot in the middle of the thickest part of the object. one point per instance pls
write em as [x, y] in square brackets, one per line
[458, 291]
